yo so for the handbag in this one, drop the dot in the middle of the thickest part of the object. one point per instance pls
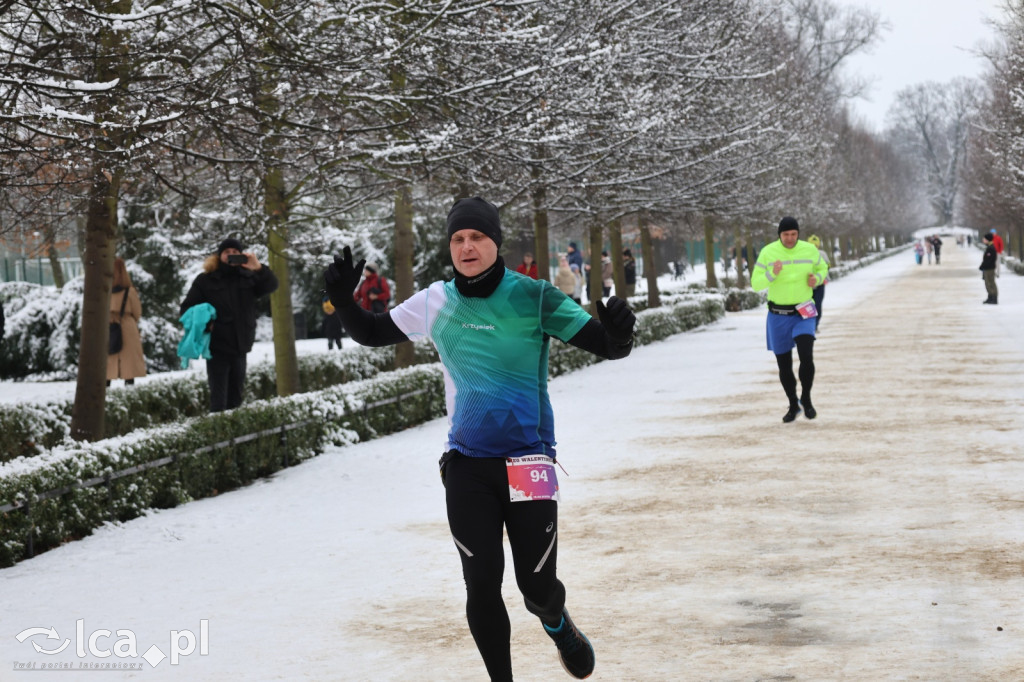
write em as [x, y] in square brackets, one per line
[116, 339]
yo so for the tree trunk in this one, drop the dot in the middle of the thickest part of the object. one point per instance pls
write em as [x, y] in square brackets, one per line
[751, 255]
[54, 257]
[615, 251]
[594, 291]
[540, 230]
[709, 252]
[650, 266]
[405, 352]
[286, 362]
[88, 412]
[737, 240]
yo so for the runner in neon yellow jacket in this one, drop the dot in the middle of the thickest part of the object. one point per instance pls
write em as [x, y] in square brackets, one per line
[790, 269]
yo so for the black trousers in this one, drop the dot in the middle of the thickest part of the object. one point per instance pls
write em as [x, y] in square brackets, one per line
[226, 376]
[478, 508]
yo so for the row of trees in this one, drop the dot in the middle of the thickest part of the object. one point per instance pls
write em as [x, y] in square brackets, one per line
[305, 125]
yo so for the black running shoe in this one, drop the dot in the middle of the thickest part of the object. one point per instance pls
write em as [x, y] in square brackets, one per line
[574, 648]
[794, 410]
[809, 410]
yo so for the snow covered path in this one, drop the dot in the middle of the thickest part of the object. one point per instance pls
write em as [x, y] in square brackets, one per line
[701, 538]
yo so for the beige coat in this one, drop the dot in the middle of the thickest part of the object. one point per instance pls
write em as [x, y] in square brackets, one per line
[565, 280]
[129, 363]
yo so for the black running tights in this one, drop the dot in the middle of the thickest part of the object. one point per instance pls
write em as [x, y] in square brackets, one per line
[478, 508]
[805, 349]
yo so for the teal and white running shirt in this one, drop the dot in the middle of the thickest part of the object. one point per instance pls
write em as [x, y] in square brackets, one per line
[494, 352]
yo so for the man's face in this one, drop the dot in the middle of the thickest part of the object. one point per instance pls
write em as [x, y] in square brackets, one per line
[789, 238]
[472, 251]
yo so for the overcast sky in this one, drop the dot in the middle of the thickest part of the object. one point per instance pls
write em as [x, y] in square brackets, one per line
[927, 40]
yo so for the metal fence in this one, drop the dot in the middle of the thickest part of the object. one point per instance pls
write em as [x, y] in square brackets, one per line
[36, 270]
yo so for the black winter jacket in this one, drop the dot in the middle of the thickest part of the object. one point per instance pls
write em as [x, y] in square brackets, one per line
[232, 291]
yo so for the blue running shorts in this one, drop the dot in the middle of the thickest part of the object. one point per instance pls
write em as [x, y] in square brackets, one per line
[780, 331]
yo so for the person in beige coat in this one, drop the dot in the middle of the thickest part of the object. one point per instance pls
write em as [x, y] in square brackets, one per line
[564, 279]
[130, 362]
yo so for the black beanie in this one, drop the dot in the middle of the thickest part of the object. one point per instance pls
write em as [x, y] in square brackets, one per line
[787, 224]
[475, 214]
[230, 243]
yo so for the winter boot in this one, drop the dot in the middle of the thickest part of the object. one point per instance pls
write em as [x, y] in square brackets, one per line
[988, 300]
[791, 414]
[574, 650]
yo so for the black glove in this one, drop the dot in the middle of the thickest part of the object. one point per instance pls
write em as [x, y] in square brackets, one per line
[617, 319]
[342, 278]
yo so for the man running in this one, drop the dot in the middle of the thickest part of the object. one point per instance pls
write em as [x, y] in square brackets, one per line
[491, 328]
[790, 269]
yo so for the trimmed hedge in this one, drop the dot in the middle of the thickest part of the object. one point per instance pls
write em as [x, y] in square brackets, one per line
[33, 428]
[338, 415]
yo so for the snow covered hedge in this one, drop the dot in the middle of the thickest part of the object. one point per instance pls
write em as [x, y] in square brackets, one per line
[198, 457]
[33, 428]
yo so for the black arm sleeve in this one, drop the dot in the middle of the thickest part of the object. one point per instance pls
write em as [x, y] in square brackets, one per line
[594, 339]
[370, 329]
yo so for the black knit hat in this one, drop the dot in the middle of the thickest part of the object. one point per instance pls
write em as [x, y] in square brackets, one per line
[475, 214]
[987, 236]
[787, 224]
[230, 243]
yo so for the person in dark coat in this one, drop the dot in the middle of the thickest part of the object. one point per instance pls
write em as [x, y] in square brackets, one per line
[231, 282]
[332, 324]
[1, 322]
[988, 269]
[629, 266]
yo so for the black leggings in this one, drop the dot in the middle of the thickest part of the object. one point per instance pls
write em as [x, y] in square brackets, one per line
[478, 507]
[805, 349]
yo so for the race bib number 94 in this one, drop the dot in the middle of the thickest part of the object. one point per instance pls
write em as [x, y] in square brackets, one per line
[531, 478]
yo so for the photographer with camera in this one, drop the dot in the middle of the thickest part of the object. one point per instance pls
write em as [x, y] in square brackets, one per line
[232, 280]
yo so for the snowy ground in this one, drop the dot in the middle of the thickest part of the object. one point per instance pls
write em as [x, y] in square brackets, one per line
[701, 538]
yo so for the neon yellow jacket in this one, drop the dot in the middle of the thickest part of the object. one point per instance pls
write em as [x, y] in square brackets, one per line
[790, 286]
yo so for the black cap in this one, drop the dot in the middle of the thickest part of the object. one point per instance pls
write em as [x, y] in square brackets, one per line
[230, 243]
[475, 214]
[787, 224]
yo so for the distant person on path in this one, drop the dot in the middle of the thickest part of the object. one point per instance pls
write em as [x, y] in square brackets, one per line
[528, 266]
[819, 291]
[231, 282]
[929, 247]
[918, 251]
[997, 243]
[937, 246]
[332, 324]
[491, 329]
[629, 267]
[1, 322]
[989, 261]
[129, 362]
[790, 269]
[374, 292]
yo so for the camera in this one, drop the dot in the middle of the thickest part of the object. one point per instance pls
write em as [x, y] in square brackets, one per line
[237, 258]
